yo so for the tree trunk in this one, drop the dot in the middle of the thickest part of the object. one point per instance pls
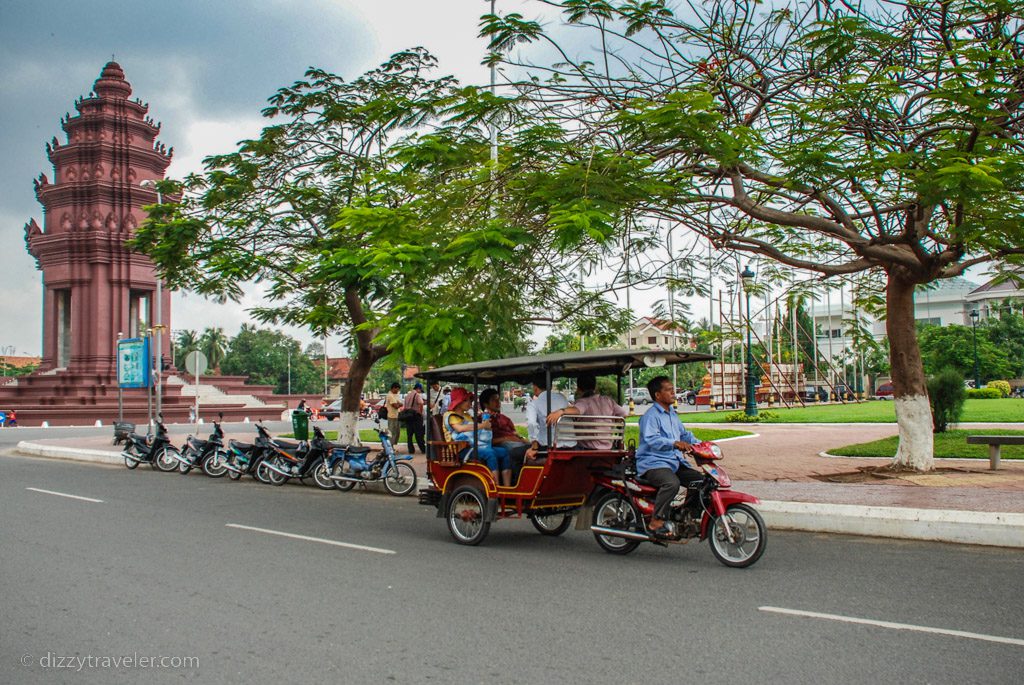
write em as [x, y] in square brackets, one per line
[910, 392]
[348, 433]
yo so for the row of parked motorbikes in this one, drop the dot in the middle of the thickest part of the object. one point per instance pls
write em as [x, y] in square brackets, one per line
[274, 461]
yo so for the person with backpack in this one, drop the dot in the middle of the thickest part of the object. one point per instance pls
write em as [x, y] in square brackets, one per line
[393, 402]
[412, 415]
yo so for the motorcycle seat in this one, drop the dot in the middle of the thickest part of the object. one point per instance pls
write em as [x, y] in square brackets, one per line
[358, 451]
[242, 446]
[286, 445]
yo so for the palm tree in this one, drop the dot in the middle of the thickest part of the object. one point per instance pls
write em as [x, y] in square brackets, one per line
[185, 342]
[213, 344]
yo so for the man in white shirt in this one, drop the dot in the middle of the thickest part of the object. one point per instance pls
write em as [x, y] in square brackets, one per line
[537, 415]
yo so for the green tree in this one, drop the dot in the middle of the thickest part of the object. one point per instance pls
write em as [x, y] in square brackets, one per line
[264, 356]
[952, 347]
[184, 342]
[363, 215]
[213, 343]
[829, 137]
[1006, 333]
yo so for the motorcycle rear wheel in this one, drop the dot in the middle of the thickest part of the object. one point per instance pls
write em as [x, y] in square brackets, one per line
[749, 536]
[342, 485]
[270, 475]
[129, 461]
[400, 480]
[615, 511]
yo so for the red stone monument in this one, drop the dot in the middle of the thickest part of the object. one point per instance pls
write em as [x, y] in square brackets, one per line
[95, 289]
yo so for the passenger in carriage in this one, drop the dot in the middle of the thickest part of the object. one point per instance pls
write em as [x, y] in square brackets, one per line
[589, 403]
[458, 427]
[504, 430]
[536, 419]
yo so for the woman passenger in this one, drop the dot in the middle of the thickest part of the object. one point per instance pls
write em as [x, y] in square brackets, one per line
[458, 427]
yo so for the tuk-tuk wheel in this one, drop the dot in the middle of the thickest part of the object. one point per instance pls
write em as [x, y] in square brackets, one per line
[551, 524]
[465, 514]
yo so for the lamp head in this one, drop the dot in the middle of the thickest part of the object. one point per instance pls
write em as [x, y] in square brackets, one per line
[747, 277]
[974, 315]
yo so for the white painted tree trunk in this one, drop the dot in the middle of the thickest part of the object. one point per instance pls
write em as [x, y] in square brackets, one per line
[916, 447]
[348, 430]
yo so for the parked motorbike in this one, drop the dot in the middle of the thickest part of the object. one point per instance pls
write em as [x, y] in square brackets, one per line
[244, 457]
[349, 467]
[209, 454]
[707, 509]
[155, 450]
[302, 460]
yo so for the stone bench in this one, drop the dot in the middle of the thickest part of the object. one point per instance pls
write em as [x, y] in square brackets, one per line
[995, 442]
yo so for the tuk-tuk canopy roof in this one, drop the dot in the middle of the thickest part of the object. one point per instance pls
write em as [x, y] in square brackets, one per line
[561, 365]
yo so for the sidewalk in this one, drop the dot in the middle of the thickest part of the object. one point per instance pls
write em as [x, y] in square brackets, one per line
[963, 501]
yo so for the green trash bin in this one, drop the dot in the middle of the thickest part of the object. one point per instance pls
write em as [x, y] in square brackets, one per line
[300, 424]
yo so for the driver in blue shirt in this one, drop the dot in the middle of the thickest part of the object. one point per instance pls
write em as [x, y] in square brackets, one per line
[661, 456]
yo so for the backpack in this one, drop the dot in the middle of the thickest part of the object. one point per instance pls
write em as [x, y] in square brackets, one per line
[382, 412]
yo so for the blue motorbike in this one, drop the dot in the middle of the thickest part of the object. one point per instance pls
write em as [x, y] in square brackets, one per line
[349, 466]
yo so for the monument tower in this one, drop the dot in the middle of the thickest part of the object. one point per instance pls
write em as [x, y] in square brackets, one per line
[94, 288]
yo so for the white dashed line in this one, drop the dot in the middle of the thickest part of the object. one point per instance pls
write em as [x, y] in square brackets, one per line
[336, 543]
[895, 626]
[64, 494]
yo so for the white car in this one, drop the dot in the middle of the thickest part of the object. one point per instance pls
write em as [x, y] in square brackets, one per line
[638, 395]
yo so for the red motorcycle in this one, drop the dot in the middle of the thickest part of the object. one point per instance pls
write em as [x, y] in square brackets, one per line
[705, 509]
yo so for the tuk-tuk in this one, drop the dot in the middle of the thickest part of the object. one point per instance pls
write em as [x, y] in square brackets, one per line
[550, 493]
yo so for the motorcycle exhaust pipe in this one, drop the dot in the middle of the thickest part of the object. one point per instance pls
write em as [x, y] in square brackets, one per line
[136, 459]
[348, 479]
[226, 464]
[615, 532]
[277, 469]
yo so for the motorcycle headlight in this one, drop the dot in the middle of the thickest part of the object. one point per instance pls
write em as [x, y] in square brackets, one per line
[717, 451]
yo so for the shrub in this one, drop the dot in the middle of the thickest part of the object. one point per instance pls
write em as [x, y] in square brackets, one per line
[946, 394]
[741, 417]
[1002, 386]
[984, 394]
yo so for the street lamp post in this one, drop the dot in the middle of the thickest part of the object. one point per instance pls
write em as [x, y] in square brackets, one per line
[974, 334]
[158, 325]
[747, 278]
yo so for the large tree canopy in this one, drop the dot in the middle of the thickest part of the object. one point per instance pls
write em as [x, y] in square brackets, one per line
[832, 138]
[373, 208]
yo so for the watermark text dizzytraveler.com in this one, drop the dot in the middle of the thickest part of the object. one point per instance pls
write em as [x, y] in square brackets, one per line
[79, 662]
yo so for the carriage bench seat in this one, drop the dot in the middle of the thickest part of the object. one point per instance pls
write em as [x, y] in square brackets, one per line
[994, 443]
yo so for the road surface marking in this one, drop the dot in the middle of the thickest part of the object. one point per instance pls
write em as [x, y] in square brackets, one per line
[895, 626]
[64, 494]
[349, 545]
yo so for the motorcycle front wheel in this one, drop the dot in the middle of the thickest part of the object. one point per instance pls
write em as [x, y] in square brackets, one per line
[165, 461]
[213, 465]
[615, 511]
[257, 472]
[400, 479]
[738, 538]
[322, 477]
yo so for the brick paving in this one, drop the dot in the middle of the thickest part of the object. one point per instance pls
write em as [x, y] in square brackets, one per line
[783, 463]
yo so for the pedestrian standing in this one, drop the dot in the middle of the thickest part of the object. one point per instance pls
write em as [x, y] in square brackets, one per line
[412, 409]
[393, 403]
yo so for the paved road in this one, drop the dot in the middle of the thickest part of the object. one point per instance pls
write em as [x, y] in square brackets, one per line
[153, 570]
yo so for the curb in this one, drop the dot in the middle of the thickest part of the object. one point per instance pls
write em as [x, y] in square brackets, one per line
[93, 456]
[938, 525]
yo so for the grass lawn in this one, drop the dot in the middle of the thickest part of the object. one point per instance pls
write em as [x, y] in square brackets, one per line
[975, 411]
[369, 435]
[947, 445]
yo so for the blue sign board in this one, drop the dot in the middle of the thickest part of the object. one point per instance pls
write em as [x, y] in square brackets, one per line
[133, 363]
